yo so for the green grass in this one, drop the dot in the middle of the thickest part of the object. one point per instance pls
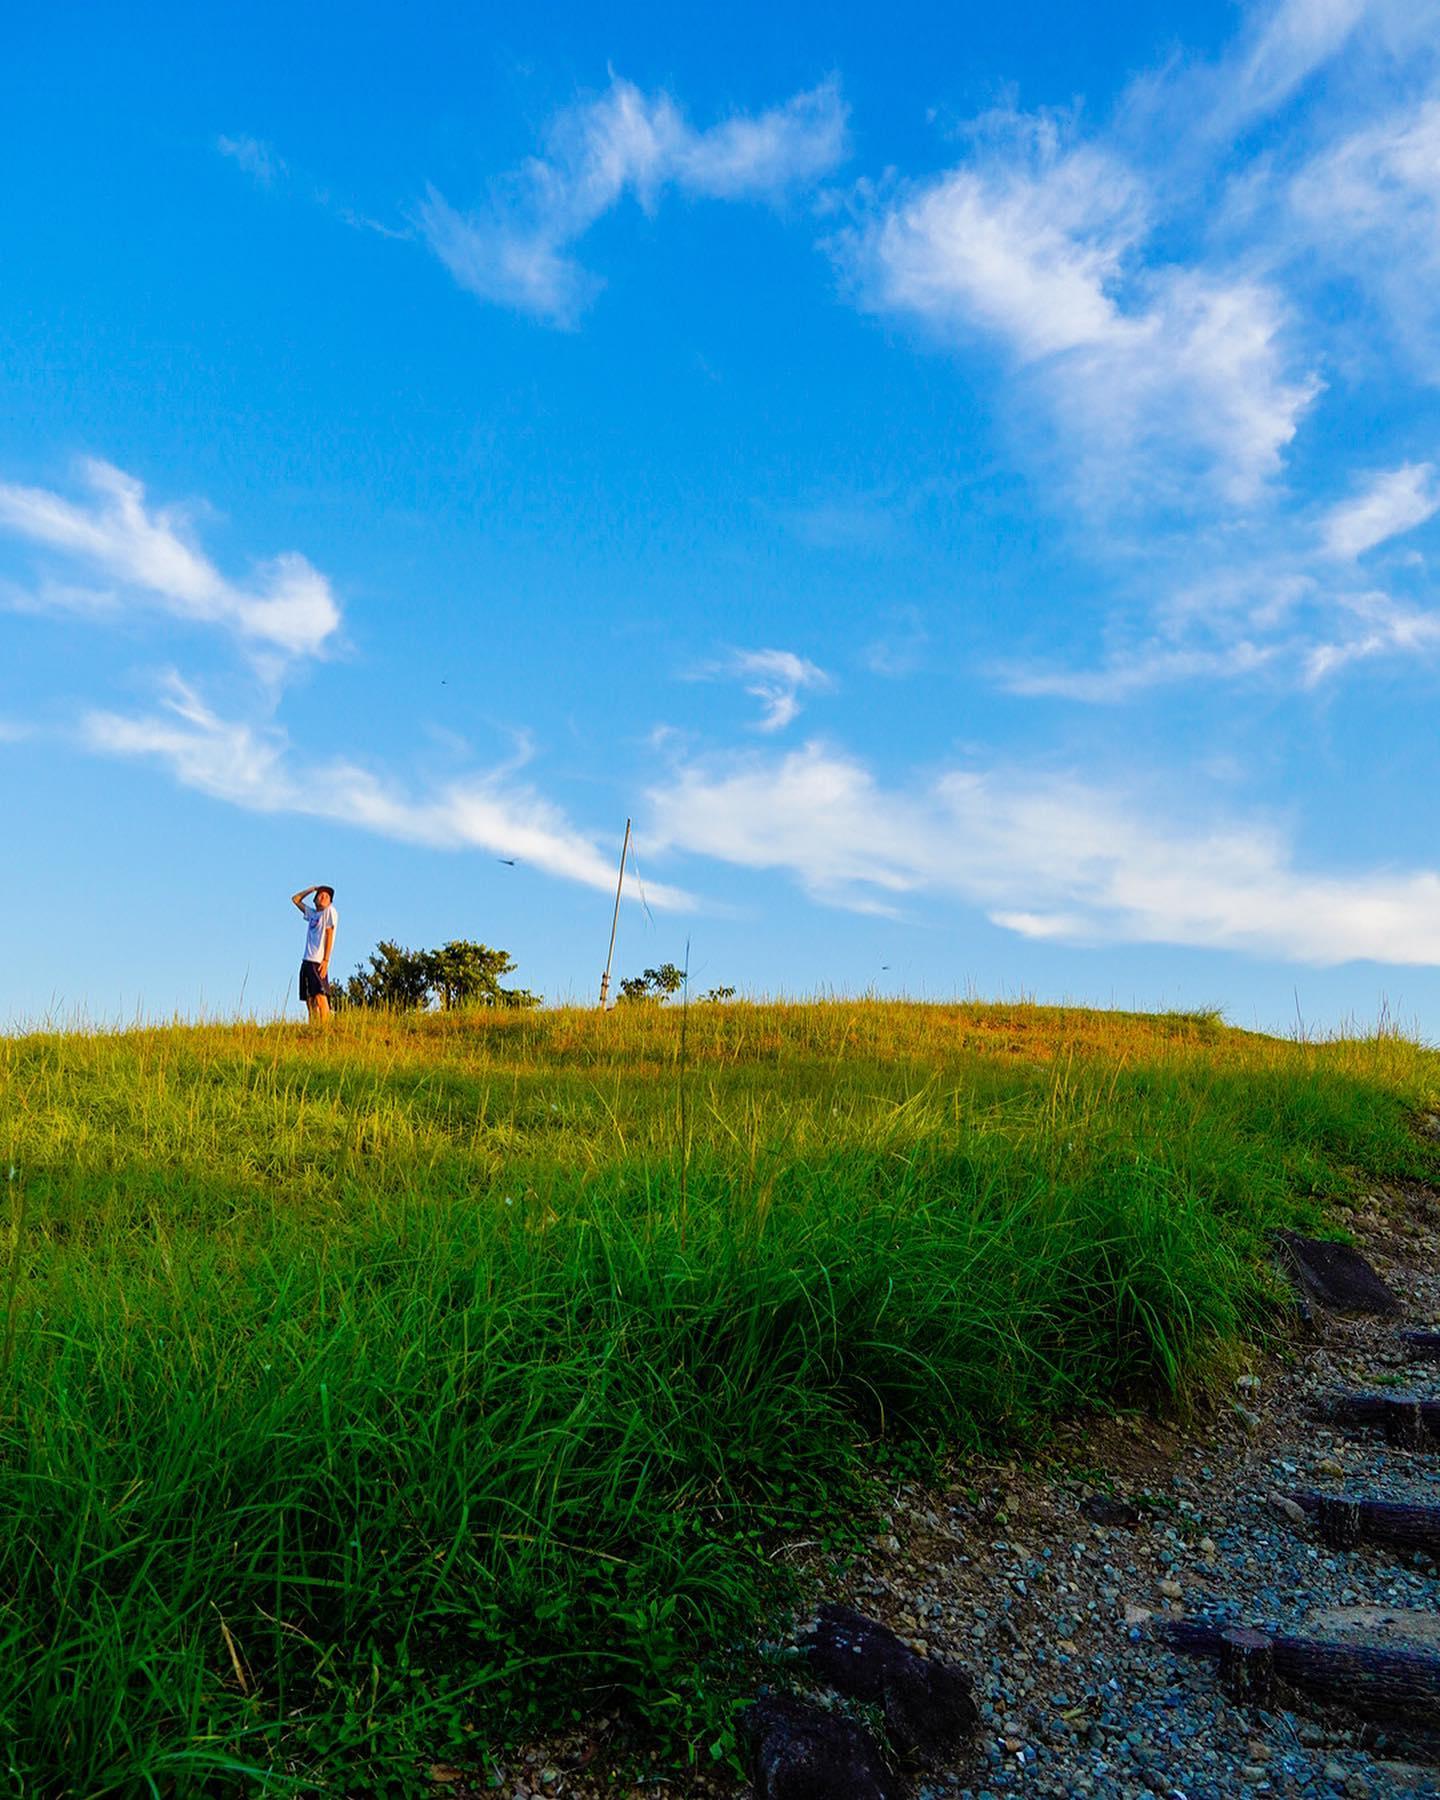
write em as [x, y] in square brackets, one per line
[372, 1397]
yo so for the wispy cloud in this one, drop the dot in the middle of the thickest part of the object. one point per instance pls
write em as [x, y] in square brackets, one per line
[258, 159]
[1291, 614]
[1378, 626]
[1156, 664]
[1389, 506]
[1165, 295]
[900, 649]
[148, 557]
[1039, 242]
[1283, 46]
[515, 249]
[252, 767]
[1047, 857]
[1368, 207]
[776, 678]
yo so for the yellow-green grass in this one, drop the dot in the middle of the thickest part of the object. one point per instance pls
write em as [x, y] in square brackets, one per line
[374, 1394]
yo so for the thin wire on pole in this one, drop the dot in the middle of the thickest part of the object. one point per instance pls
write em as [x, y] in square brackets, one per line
[640, 885]
[614, 922]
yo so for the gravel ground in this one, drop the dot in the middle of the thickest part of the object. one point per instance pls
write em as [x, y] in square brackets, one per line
[1004, 1574]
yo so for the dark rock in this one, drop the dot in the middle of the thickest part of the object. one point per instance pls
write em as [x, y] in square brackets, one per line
[927, 1704]
[1104, 1509]
[1336, 1275]
[800, 1752]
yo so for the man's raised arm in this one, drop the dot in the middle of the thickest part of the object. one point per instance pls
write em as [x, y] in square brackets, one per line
[300, 898]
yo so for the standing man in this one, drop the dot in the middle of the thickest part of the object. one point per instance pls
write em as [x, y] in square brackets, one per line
[320, 922]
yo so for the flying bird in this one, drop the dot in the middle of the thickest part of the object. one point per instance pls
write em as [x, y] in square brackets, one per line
[509, 861]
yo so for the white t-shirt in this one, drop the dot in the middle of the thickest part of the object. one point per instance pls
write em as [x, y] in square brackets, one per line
[317, 923]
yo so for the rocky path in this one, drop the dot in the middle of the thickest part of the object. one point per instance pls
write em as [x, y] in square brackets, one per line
[1055, 1588]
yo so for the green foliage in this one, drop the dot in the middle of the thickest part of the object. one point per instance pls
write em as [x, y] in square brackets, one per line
[376, 1397]
[655, 985]
[395, 978]
[460, 973]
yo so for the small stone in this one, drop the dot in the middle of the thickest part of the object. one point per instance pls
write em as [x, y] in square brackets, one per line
[1288, 1508]
[1329, 1465]
[1172, 1590]
[1208, 1548]
[1136, 1615]
[1250, 1422]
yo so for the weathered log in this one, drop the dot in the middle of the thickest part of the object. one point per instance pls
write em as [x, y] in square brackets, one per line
[1247, 1666]
[927, 1704]
[1336, 1275]
[1340, 1521]
[1344, 1522]
[801, 1752]
[1400, 1681]
[1405, 1419]
[1421, 1346]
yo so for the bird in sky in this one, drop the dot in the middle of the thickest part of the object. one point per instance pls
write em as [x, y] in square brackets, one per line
[509, 861]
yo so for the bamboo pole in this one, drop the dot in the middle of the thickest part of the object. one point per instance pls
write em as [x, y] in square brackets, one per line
[615, 922]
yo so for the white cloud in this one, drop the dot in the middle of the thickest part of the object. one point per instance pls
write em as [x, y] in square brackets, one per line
[1047, 858]
[1379, 626]
[515, 250]
[254, 156]
[1288, 42]
[1293, 622]
[1155, 665]
[1370, 207]
[1392, 504]
[147, 556]
[776, 678]
[1040, 245]
[250, 767]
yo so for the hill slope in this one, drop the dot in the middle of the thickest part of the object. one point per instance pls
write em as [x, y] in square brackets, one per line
[373, 1392]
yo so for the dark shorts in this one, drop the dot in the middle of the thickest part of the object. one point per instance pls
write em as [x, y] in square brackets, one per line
[312, 985]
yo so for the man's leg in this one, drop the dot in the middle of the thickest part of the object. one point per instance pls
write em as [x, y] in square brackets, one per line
[320, 1007]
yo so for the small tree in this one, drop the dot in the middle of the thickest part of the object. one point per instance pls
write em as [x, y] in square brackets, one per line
[462, 973]
[718, 994]
[396, 978]
[655, 985]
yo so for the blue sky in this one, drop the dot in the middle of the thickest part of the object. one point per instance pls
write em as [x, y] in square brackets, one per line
[966, 484]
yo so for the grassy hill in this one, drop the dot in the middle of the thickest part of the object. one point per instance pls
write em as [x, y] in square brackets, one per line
[370, 1394]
